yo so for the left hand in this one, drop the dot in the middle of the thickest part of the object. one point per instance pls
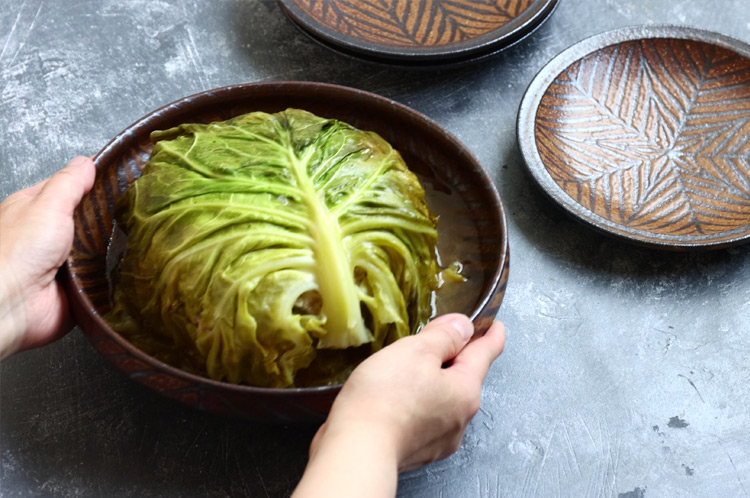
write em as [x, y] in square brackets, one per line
[36, 234]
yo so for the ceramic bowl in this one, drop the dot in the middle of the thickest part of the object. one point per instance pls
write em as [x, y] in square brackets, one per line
[471, 229]
[418, 32]
[644, 133]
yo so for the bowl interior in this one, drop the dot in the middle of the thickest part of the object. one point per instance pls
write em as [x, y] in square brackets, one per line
[471, 221]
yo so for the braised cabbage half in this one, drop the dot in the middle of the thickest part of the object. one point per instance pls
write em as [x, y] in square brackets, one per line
[255, 245]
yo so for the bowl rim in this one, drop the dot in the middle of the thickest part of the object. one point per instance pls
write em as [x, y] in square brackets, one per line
[497, 39]
[526, 119]
[237, 92]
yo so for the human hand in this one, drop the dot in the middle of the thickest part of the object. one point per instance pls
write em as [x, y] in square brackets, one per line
[36, 234]
[400, 409]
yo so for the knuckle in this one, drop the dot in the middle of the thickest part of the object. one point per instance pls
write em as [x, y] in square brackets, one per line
[473, 406]
[471, 402]
[450, 338]
[455, 443]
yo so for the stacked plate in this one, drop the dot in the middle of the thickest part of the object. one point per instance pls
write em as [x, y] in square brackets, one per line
[418, 32]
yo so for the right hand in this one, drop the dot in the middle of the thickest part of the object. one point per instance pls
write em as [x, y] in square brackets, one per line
[403, 394]
[400, 409]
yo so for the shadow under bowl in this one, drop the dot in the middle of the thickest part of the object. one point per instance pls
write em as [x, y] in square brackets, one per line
[472, 230]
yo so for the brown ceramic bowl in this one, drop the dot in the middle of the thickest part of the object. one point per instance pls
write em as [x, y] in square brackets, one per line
[643, 133]
[471, 229]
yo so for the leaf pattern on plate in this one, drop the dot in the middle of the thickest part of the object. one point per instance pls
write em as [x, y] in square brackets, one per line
[413, 22]
[653, 135]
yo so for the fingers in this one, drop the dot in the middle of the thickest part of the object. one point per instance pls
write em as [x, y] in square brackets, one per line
[66, 188]
[51, 322]
[446, 336]
[475, 359]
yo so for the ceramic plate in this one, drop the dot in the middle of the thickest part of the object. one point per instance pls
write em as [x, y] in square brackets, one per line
[417, 32]
[644, 133]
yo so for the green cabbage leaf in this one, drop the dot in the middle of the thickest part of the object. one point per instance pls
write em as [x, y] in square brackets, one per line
[256, 243]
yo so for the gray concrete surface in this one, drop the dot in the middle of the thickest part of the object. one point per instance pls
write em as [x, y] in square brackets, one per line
[626, 370]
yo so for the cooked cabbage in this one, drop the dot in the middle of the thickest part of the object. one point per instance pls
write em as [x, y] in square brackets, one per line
[255, 244]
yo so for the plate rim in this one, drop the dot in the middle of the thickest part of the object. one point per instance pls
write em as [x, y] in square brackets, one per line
[526, 137]
[502, 37]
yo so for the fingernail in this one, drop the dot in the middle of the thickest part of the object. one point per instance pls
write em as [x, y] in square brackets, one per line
[464, 327]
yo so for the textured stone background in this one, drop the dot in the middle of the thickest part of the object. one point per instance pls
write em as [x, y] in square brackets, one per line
[626, 370]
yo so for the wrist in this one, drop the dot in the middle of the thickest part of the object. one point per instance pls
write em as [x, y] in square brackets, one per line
[351, 459]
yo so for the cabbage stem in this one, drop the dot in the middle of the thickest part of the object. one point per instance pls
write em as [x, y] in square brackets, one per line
[344, 324]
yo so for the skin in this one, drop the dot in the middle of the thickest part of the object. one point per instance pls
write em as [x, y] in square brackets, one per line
[405, 406]
[36, 234]
[400, 409]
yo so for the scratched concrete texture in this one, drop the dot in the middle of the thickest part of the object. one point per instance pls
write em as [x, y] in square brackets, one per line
[626, 370]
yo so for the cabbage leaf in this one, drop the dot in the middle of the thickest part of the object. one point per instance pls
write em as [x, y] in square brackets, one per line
[257, 242]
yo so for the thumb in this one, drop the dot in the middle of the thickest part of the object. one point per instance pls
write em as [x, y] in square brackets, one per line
[446, 336]
[476, 358]
[65, 189]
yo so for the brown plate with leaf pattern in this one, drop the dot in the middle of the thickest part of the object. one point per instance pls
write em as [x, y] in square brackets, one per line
[418, 32]
[644, 133]
[472, 231]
